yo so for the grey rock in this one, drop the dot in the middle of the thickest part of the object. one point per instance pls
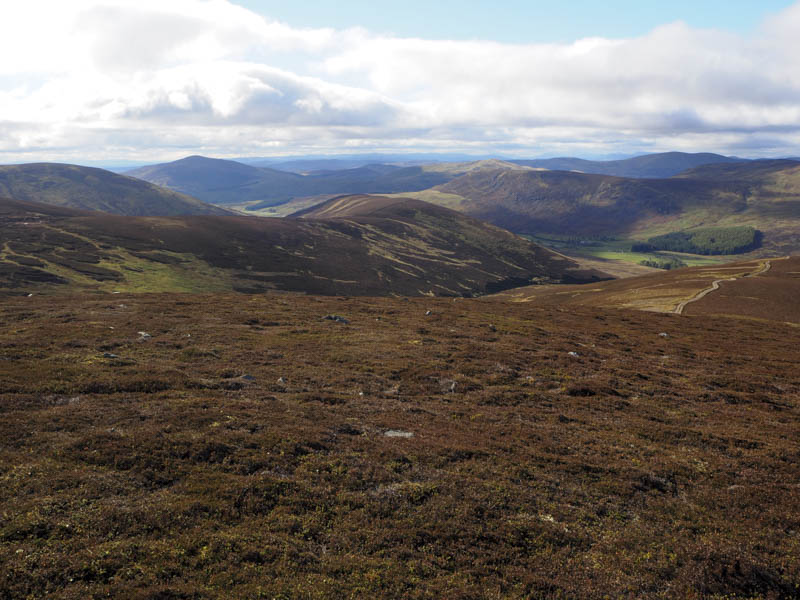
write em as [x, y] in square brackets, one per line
[398, 433]
[336, 318]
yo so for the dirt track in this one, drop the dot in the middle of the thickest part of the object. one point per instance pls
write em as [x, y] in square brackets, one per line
[763, 268]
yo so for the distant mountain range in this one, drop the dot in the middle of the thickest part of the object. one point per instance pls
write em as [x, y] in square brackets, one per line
[229, 182]
[89, 188]
[371, 246]
[665, 164]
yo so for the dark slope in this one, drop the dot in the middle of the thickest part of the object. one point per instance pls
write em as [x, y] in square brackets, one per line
[413, 248]
[220, 181]
[573, 203]
[96, 189]
[659, 165]
[760, 194]
[760, 172]
[228, 182]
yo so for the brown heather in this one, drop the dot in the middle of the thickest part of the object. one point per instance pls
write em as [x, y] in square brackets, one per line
[241, 450]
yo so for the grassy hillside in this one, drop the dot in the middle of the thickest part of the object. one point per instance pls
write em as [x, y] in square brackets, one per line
[251, 448]
[574, 203]
[412, 248]
[665, 164]
[764, 289]
[96, 189]
[763, 195]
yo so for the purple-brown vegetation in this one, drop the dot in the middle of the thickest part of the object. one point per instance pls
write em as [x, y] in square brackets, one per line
[241, 450]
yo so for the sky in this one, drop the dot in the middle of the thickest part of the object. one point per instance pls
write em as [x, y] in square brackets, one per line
[154, 80]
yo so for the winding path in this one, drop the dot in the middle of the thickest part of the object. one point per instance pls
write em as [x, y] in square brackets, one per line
[762, 268]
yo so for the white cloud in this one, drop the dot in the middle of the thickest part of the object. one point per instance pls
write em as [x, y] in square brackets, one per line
[127, 78]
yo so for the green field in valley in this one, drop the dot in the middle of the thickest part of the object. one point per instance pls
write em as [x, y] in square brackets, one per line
[620, 249]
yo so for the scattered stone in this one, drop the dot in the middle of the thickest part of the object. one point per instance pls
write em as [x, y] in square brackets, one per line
[347, 429]
[492, 327]
[281, 381]
[663, 334]
[574, 354]
[398, 433]
[335, 318]
[30, 295]
[428, 313]
[247, 378]
[453, 387]
[143, 335]
[109, 355]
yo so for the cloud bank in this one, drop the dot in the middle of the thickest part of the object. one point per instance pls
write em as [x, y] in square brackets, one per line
[151, 80]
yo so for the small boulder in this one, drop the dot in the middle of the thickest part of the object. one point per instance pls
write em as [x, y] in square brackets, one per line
[336, 319]
[398, 433]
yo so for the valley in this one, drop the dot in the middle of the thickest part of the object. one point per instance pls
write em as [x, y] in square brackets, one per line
[598, 213]
[402, 301]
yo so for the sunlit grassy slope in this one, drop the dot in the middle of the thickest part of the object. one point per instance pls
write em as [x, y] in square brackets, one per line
[375, 246]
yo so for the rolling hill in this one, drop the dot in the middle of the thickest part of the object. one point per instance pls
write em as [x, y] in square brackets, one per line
[387, 247]
[96, 189]
[761, 290]
[228, 182]
[660, 165]
[760, 194]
